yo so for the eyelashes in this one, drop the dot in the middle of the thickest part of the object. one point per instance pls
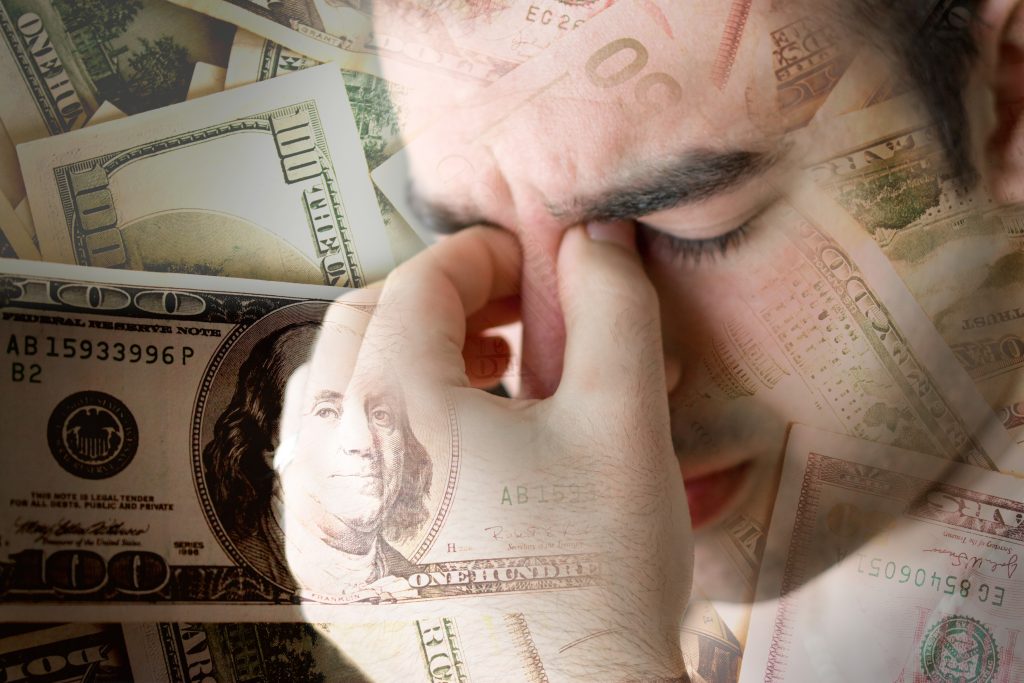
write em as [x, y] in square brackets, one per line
[689, 251]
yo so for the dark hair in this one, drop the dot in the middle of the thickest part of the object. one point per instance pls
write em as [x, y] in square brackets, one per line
[238, 474]
[932, 44]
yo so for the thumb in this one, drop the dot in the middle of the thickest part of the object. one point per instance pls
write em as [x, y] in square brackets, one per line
[612, 320]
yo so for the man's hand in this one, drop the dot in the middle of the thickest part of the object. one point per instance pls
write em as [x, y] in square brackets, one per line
[596, 457]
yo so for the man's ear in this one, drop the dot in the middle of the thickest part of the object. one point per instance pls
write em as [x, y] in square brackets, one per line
[1002, 53]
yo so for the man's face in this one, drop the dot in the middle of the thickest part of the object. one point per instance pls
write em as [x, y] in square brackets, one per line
[349, 458]
[694, 136]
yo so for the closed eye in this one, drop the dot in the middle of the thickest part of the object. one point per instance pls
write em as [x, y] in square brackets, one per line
[686, 251]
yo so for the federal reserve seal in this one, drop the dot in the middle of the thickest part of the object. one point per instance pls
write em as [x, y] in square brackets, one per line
[92, 435]
[959, 649]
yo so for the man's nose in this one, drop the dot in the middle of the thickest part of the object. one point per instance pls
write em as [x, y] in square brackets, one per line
[354, 430]
[542, 317]
[543, 326]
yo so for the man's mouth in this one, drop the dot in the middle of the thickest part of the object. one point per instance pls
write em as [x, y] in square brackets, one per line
[362, 479]
[708, 494]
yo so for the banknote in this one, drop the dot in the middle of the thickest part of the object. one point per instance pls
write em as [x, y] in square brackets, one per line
[105, 112]
[891, 553]
[711, 651]
[68, 652]
[460, 650]
[377, 105]
[814, 340]
[149, 402]
[347, 34]
[228, 653]
[60, 60]
[887, 167]
[267, 181]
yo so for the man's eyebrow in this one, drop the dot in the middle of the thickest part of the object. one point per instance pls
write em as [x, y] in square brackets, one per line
[688, 179]
[685, 179]
[441, 218]
[328, 395]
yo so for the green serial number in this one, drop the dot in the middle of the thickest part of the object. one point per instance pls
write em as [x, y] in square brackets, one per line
[949, 584]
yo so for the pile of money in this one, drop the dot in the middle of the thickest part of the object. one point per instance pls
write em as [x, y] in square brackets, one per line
[186, 184]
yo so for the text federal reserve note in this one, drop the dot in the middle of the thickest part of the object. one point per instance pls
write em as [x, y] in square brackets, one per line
[267, 181]
[59, 60]
[913, 560]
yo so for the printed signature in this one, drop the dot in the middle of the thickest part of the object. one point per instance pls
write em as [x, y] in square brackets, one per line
[962, 559]
[533, 531]
[46, 533]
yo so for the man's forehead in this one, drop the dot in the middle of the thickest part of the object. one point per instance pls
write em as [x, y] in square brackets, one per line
[584, 152]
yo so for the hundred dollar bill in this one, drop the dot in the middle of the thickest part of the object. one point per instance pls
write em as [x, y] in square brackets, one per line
[105, 112]
[959, 252]
[267, 181]
[892, 553]
[377, 105]
[70, 652]
[345, 33]
[427, 650]
[26, 237]
[837, 338]
[229, 653]
[141, 416]
[59, 60]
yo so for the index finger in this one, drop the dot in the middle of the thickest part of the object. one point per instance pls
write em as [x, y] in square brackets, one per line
[419, 325]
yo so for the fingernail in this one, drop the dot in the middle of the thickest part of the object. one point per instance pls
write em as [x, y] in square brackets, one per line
[620, 233]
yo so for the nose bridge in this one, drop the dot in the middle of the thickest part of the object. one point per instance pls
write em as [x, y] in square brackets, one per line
[543, 326]
[354, 430]
[513, 194]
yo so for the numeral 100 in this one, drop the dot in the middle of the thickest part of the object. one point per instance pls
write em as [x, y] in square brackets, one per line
[135, 572]
[646, 88]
